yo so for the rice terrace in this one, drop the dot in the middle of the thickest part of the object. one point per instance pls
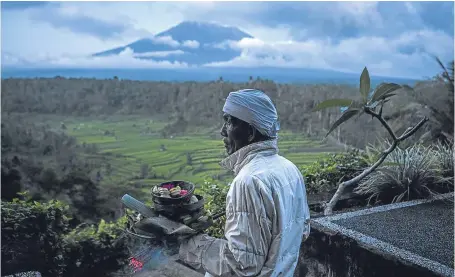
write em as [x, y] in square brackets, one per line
[135, 148]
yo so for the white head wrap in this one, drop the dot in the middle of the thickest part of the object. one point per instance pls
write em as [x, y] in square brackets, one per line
[254, 107]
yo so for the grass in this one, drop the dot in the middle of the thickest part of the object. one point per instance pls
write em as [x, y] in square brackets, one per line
[134, 141]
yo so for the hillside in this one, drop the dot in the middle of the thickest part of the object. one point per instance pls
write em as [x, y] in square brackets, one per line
[191, 104]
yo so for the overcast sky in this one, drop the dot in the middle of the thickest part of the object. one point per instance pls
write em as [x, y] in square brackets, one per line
[390, 38]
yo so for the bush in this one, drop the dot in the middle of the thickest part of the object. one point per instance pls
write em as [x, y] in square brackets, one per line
[411, 173]
[36, 237]
[215, 202]
[95, 250]
[31, 237]
[325, 174]
[444, 157]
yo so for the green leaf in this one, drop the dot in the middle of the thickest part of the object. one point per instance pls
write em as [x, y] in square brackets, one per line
[343, 118]
[332, 103]
[364, 84]
[383, 91]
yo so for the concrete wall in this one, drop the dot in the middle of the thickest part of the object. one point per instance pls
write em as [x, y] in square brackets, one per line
[329, 254]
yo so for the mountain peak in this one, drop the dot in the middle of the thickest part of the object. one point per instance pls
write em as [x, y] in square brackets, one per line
[191, 42]
[204, 32]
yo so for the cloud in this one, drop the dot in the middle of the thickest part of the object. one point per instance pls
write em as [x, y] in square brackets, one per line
[160, 54]
[22, 5]
[191, 44]
[166, 40]
[84, 24]
[405, 55]
[125, 59]
[74, 19]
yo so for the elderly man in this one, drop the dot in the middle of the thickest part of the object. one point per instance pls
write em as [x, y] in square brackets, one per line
[267, 214]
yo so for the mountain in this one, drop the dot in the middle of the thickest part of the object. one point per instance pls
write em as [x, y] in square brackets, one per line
[195, 43]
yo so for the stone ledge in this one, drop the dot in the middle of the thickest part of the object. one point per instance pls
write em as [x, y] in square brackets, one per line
[335, 250]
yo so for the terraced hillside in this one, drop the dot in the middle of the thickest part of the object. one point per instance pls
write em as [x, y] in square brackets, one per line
[137, 153]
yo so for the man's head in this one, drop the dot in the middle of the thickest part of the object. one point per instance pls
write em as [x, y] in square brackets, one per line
[249, 117]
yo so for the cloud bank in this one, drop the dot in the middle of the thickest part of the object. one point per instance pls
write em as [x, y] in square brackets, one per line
[390, 38]
[126, 59]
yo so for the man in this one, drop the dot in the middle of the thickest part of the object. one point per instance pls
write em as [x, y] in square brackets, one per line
[267, 214]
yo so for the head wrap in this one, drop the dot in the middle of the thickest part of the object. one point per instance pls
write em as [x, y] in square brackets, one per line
[254, 107]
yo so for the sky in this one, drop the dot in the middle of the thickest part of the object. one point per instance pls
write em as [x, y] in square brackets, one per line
[390, 38]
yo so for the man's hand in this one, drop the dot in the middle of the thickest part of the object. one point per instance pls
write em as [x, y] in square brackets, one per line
[164, 228]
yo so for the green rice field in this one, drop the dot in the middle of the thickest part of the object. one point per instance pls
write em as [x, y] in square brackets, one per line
[134, 142]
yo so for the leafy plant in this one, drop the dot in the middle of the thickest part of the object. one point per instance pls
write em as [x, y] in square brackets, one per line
[323, 175]
[444, 157]
[37, 237]
[368, 105]
[215, 202]
[95, 250]
[413, 175]
[31, 237]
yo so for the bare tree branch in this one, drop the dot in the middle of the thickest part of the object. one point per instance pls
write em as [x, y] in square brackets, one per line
[383, 122]
[329, 206]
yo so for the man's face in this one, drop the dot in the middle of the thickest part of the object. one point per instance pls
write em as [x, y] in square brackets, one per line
[235, 134]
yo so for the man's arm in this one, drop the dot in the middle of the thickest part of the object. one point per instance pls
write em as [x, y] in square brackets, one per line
[248, 234]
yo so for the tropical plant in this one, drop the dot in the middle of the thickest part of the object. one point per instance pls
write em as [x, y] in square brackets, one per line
[444, 157]
[324, 174]
[370, 104]
[411, 173]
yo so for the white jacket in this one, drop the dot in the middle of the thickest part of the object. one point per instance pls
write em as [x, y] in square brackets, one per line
[267, 217]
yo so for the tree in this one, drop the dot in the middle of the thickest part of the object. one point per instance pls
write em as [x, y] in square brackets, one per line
[367, 105]
[145, 171]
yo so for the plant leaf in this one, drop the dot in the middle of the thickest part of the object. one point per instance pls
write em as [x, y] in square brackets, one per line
[382, 90]
[343, 118]
[364, 84]
[332, 103]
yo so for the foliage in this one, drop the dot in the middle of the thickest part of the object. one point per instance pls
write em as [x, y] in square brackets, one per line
[325, 174]
[369, 105]
[435, 98]
[37, 237]
[413, 173]
[444, 156]
[50, 165]
[31, 237]
[95, 250]
[187, 105]
[215, 203]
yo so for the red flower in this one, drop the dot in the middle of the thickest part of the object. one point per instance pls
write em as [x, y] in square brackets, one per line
[167, 186]
[136, 264]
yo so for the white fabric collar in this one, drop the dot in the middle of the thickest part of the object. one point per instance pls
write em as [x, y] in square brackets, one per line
[237, 160]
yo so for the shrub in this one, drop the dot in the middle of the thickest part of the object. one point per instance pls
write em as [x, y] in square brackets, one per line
[95, 250]
[325, 174]
[408, 174]
[36, 237]
[444, 157]
[31, 237]
[215, 202]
